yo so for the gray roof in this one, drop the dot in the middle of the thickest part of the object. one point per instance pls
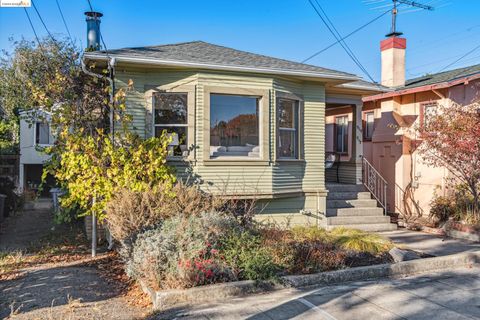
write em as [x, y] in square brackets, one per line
[365, 85]
[203, 53]
[441, 77]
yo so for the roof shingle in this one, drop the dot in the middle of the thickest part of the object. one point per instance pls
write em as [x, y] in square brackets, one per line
[441, 77]
[207, 53]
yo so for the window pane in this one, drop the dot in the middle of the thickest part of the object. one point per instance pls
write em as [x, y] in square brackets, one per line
[42, 133]
[369, 122]
[428, 112]
[287, 144]
[178, 146]
[341, 134]
[234, 126]
[170, 108]
[286, 113]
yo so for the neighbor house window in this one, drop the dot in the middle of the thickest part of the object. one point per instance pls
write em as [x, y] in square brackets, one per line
[42, 133]
[234, 126]
[341, 134]
[369, 123]
[428, 112]
[170, 116]
[288, 119]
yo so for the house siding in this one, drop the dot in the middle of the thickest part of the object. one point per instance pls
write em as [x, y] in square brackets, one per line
[285, 187]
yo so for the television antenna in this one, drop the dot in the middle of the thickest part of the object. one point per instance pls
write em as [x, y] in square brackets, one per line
[393, 31]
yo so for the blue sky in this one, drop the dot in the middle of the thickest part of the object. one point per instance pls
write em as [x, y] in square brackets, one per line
[287, 29]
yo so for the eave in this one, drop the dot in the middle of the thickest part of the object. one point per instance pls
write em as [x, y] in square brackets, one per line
[431, 87]
[199, 65]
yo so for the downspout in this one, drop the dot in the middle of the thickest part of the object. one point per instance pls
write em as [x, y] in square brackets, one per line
[111, 80]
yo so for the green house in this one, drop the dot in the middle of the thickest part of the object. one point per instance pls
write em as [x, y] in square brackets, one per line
[245, 125]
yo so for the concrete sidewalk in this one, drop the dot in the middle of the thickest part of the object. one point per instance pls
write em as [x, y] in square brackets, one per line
[430, 244]
[449, 294]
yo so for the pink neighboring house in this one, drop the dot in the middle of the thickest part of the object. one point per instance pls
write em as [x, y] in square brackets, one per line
[389, 122]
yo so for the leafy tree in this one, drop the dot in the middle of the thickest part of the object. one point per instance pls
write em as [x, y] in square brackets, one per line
[85, 161]
[48, 76]
[451, 139]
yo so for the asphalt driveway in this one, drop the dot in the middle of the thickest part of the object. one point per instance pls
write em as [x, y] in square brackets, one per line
[452, 294]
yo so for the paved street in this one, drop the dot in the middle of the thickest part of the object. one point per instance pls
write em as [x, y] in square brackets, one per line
[453, 294]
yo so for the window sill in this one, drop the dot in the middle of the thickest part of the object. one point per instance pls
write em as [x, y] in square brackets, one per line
[236, 161]
[290, 161]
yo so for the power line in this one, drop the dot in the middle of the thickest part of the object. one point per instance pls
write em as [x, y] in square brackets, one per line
[41, 20]
[338, 38]
[463, 56]
[65, 23]
[33, 28]
[348, 35]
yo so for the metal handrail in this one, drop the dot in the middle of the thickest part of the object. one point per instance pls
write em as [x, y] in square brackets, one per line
[375, 183]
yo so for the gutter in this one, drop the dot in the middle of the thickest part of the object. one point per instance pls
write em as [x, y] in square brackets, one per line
[162, 62]
[431, 87]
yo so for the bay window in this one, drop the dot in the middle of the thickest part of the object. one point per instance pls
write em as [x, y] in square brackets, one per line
[234, 126]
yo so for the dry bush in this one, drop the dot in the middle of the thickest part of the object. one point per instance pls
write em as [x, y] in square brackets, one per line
[129, 212]
[303, 249]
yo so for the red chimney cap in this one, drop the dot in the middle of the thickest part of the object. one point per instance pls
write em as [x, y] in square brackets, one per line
[393, 42]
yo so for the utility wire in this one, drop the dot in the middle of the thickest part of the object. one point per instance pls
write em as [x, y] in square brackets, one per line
[461, 58]
[41, 20]
[65, 23]
[348, 35]
[338, 38]
[33, 28]
[344, 42]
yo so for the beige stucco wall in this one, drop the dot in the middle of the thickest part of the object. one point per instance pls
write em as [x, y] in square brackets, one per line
[395, 156]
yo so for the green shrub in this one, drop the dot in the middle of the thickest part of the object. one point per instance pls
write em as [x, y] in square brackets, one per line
[360, 241]
[182, 252]
[244, 253]
[441, 209]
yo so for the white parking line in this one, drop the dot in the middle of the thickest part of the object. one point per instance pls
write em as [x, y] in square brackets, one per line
[324, 313]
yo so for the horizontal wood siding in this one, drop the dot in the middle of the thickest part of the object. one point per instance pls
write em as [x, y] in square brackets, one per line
[314, 137]
[267, 178]
[136, 100]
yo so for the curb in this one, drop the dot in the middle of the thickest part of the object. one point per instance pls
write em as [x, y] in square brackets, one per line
[165, 299]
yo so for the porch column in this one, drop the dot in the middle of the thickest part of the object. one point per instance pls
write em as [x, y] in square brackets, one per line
[357, 139]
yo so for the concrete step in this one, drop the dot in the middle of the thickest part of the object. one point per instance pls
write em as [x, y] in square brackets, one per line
[40, 204]
[349, 195]
[374, 227]
[338, 187]
[362, 203]
[348, 220]
[342, 212]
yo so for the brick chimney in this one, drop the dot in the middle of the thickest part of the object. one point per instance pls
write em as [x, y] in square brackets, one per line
[393, 61]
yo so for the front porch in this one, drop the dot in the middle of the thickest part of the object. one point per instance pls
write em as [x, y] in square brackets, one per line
[343, 140]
